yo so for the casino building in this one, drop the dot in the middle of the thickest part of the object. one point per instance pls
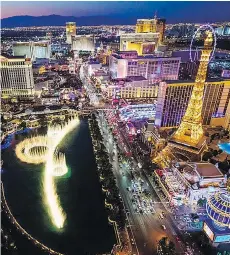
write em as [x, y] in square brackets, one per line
[70, 31]
[173, 98]
[154, 25]
[217, 225]
[83, 43]
[186, 183]
[16, 77]
[32, 50]
[147, 38]
[131, 87]
[129, 63]
[143, 43]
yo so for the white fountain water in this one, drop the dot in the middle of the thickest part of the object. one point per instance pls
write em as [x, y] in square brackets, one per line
[59, 167]
[43, 149]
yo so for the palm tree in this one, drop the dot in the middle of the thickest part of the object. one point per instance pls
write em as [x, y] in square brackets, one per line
[167, 247]
[201, 202]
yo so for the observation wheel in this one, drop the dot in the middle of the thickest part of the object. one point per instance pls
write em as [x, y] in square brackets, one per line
[200, 29]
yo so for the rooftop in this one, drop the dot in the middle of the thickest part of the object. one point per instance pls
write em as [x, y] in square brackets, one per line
[126, 52]
[12, 57]
[193, 81]
[215, 229]
[200, 170]
[208, 170]
[136, 78]
[94, 62]
[117, 56]
[128, 79]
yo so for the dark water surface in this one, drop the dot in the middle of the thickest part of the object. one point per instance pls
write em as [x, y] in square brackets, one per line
[87, 230]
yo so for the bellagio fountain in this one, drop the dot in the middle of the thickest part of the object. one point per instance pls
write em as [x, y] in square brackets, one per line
[43, 149]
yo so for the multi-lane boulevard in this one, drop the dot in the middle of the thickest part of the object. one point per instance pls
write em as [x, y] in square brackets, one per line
[147, 228]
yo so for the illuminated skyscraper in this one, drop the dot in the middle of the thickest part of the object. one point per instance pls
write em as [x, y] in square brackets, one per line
[143, 43]
[128, 63]
[16, 78]
[148, 36]
[154, 25]
[174, 96]
[70, 31]
[32, 50]
[83, 43]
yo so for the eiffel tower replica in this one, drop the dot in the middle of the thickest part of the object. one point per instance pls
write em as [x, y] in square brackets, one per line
[189, 141]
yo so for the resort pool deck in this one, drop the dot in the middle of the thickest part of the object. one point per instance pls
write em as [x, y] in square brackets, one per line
[225, 147]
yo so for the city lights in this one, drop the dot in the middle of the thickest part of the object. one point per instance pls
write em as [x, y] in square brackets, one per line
[140, 116]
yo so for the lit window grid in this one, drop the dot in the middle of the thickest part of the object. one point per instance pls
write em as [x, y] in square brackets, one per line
[17, 79]
[134, 92]
[174, 101]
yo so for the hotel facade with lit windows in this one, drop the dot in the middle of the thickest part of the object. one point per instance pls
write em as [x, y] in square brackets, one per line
[154, 25]
[131, 87]
[32, 50]
[173, 98]
[128, 63]
[83, 43]
[143, 43]
[16, 78]
[148, 36]
[71, 30]
[186, 183]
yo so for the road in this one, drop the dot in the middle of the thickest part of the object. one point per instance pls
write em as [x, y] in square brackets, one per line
[146, 228]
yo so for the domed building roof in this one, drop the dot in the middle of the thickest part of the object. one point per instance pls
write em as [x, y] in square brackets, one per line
[218, 208]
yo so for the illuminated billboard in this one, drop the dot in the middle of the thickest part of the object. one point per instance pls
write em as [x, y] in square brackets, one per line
[222, 239]
[208, 232]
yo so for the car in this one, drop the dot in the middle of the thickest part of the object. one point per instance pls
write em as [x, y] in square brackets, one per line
[161, 216]
[163, 226]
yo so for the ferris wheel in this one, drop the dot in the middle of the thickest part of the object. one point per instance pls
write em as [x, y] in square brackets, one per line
[201, 28]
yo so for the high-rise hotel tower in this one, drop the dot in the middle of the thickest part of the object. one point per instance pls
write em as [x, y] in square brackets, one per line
[16, 78]
[70, 31]
[154, 25]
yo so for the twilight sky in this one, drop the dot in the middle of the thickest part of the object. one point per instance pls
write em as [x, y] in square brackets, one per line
[172, 11]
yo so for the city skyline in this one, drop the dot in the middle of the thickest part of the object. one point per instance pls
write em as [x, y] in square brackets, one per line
[115, 135]
[172, 11]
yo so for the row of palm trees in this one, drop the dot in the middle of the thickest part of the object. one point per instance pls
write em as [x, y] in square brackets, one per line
[113, 200]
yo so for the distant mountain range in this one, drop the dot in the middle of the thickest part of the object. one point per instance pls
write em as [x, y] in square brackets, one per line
[57, 20]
